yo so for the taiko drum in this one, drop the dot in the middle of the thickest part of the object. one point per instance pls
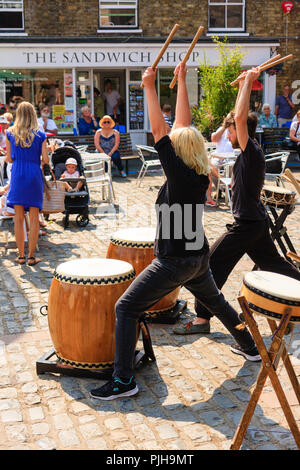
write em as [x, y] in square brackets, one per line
[81, 310]
[136, 246]
[270, 294]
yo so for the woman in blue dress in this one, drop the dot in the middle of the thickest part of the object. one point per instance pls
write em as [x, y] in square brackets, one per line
[107, 140]
[25, 144]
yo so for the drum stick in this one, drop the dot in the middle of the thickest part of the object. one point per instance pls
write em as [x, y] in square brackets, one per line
[293, 256]
[266, 66]
[276, 57]
[292, 179]
[187, 55]
[163, 49]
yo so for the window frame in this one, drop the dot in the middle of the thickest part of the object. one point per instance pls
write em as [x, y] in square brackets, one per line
[13, 10]
[117, 4]
[226, 4]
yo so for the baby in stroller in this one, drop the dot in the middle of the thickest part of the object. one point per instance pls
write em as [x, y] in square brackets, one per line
[67, 166]
[72, 172]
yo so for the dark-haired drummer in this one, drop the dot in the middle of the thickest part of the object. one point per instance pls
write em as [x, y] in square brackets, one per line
[250, 231]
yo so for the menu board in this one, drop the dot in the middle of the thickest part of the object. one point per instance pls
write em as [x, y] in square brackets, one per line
[63, 118]
[136, 107]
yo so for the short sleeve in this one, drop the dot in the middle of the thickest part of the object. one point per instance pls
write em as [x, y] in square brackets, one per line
[277, 101]
[42, 135]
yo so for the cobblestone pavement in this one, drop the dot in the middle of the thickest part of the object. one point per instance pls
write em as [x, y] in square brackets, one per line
[191, 399]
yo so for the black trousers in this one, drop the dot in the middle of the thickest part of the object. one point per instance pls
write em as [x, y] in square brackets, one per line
[159, 278]
[244, 237]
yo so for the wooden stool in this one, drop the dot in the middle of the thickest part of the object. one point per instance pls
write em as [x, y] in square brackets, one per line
[276, 297]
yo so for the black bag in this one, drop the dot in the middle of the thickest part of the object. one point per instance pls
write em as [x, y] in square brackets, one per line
[289, 144]
[273, 167]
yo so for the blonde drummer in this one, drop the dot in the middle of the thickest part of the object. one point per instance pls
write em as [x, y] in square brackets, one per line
[181, 248]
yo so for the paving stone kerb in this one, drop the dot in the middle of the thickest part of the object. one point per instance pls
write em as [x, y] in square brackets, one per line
[192, 398]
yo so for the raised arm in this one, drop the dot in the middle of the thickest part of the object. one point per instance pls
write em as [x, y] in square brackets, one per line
[182, 113]
[242, 107]
[156, 118]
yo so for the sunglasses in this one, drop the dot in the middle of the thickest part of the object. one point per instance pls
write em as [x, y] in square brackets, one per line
[106, 122]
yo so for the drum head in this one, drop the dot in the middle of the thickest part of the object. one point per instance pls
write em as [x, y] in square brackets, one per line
[274, 285]
[143, 236]
[278, 189]
[272, 294]
[94, 270]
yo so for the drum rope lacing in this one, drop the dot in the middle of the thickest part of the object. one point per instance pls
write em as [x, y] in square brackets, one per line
[89, 281]
[277, 199]
[85, 365]
[132, 244]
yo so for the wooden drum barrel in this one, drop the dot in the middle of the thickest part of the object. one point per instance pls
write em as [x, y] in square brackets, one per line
[269, 294]
[81, 310]
[136, 246]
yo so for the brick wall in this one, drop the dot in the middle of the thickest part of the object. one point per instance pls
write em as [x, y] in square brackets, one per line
[156, 18]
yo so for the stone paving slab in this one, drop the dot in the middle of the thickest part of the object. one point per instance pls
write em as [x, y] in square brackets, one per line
[192, 398]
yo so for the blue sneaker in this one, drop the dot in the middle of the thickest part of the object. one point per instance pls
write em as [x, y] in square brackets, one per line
[115, 388]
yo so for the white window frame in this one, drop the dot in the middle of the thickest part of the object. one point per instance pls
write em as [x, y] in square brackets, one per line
[118, 5]
[212, 3]
[9, 9]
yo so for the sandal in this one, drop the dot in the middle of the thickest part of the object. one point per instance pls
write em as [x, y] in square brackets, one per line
[20, 260]
[35, 260]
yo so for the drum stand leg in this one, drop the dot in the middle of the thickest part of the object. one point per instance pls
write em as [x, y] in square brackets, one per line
[270, 359]
[278, 230]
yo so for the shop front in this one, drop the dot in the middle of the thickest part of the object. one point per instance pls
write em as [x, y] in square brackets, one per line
[65, 77]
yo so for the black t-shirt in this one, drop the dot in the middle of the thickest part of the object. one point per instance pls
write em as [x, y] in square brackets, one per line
[179, 206]
[247, 181]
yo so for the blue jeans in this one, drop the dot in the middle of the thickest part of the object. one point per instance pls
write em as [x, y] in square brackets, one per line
[161, 277]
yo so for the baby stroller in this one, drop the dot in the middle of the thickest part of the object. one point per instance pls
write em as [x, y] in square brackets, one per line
[75, 202]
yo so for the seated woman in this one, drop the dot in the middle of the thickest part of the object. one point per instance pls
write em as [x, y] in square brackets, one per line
[267, 119]
[107, 140]
[87, 124]
[295, 132]
[72, 172]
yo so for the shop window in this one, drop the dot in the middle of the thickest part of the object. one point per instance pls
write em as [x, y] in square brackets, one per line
[11, 15]
[118, 14]
[226, 15]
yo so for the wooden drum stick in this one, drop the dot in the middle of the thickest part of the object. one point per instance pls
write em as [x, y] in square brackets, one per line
[276, 57]
[163, 49]
[187, 55]
[266, 66]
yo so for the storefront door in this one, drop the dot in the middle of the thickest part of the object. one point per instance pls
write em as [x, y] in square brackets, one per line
[117, 79]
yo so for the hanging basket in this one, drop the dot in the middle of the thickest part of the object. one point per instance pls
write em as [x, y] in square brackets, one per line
[275, 70]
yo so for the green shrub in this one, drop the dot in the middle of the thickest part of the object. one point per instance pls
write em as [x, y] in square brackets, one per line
[218, 97]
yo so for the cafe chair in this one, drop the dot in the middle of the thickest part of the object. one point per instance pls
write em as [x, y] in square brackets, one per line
[281, 158]
[147, 163]
[95, 172]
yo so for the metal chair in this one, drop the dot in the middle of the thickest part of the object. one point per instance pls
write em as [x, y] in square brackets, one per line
[95, 172]
[146, 164]
[210, 147]
[81, 148]
[282, 157]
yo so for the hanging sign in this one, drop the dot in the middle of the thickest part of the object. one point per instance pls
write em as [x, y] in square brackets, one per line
[287, 7]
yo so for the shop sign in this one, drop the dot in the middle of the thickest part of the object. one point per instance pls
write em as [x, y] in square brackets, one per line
[287, 7]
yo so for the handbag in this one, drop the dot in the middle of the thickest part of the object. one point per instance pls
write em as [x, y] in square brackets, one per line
[53, 196]
[289, 144]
